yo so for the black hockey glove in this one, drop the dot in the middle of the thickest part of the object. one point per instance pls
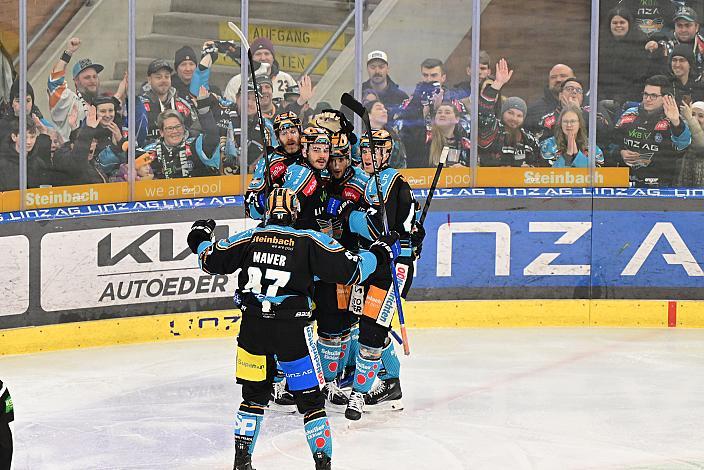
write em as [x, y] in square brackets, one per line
[211, 50]
[386, 248]
[201, 231]
[417, 237]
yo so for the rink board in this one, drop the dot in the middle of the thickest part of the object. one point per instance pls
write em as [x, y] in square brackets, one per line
[492, 257]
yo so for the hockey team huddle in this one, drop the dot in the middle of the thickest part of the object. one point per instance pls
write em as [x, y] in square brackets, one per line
[321, 254]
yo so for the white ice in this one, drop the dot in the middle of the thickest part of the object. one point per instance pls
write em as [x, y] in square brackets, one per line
[475, 399]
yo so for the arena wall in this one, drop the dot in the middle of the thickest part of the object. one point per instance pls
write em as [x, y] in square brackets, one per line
[119, 273]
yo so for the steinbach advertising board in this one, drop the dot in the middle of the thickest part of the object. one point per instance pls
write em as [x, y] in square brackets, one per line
[131, 259]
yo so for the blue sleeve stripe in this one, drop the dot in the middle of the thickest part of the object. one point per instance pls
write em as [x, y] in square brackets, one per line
[683, 140]
[365, 267]
[203, 246]
[358, 224]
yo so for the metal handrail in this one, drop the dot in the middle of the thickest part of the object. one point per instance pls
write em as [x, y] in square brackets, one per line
[328, 45]
[48, 24]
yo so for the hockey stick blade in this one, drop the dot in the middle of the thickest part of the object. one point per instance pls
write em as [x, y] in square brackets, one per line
[356, 107]
[239, 33]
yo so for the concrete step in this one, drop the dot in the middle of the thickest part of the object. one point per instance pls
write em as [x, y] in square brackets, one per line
[281, 33]
[290, 59]
[321, 12]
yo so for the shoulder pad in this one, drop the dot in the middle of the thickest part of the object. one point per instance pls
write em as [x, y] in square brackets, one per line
[228, 242]
[324, 240]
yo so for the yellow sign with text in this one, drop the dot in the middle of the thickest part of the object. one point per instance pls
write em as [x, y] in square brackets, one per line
[460, 177]
[526, 177]
[63, 196]
[296, 63]
[205, 186]
[286, 36]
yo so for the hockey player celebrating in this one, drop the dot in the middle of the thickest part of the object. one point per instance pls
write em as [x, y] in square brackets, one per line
[287, 129]
[276, 265]
[375, 347]
[345, 186]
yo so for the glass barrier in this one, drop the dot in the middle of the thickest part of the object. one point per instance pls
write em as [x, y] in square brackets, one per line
[413, 89]
[534, 101]
[9, 99]
[187, 121]
[74, 131]
[533, 68]
[650, 84]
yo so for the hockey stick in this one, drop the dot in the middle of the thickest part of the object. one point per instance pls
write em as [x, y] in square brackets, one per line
[359, 109]
[267, 165]
[429, 199]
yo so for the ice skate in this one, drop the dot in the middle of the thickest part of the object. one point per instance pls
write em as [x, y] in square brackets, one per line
[243, 462]
[385, 396]
[322, 461]
[335, 398]
[281, 399]
[355, 407]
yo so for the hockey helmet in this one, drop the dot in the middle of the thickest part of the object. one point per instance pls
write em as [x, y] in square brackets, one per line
[286, 120]
[315, 135]
[283, 206]
[382, 139]
[340, 146]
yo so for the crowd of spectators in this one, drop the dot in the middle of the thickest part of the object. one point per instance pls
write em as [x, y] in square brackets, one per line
[650, 112]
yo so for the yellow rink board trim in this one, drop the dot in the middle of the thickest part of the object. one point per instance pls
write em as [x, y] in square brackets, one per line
[430, 314]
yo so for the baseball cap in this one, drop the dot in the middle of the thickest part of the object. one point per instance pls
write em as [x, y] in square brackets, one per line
[291, 91]
[157, 65]
[83, 64]
[687, 14]
[377, 55]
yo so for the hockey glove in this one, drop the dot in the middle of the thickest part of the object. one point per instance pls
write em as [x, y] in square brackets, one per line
[211, 50]
[386, 248]
[257, 201]
[417, 237]
[201, 231]
[338, 208]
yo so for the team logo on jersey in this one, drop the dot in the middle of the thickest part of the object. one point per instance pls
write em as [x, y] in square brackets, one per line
[662, 125]
[277, 169]
[626, 119]
[310, 187]
[658, 137]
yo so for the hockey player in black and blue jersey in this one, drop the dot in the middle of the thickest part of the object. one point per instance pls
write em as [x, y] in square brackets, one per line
[275, 266]
[287, 128]
[305, 179]
[345, 186]
[377, 308]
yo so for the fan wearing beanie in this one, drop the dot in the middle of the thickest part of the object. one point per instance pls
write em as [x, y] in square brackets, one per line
[686, 83]
[503, 141]
[263, 52]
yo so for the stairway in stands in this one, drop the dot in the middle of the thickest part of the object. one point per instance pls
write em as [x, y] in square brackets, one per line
[297, 31]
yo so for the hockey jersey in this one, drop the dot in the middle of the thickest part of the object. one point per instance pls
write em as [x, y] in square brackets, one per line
[276, 267]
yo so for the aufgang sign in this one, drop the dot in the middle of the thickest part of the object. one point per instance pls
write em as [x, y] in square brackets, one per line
[127, 265]
[550, 248]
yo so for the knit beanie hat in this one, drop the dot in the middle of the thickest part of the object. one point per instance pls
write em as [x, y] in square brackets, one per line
[514, 102]
[15, 90]
[683, 50]
[262, 43]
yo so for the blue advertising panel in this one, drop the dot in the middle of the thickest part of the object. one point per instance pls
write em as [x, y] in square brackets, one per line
[562, 248]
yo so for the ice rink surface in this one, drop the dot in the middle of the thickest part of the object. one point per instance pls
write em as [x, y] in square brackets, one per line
[475, 399]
